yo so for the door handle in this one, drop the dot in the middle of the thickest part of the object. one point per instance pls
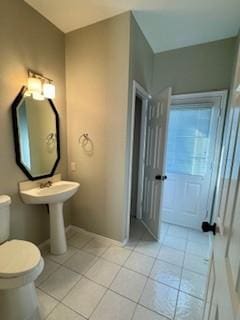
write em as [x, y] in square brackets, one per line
[207, 227]
[160, 177]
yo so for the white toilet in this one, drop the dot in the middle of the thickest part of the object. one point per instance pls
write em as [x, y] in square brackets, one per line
[20, 265]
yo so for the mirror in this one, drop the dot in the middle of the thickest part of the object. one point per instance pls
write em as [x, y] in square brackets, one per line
[36, 135]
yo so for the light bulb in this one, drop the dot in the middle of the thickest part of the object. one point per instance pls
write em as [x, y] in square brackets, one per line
[49, 90]
[34, 85]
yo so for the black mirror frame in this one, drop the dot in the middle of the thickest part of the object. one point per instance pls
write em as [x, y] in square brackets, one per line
[14, 106]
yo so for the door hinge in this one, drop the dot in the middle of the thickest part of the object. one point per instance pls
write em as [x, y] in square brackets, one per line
[211, 166]
[219, 112]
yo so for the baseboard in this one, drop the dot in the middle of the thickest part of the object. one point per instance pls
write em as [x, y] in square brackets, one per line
[45, 244]
[98, 236]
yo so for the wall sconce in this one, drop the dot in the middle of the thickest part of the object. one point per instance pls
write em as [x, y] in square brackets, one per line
[40, 87]
[49, 90]
[238, 88]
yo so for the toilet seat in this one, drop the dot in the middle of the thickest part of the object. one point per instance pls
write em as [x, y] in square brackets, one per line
[18, 258]
[20, 264]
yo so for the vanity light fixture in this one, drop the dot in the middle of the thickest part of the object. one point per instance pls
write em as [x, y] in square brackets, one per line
[49, 90]
[40, 87]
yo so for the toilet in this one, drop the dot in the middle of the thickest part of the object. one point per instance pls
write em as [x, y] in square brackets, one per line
[20, 265]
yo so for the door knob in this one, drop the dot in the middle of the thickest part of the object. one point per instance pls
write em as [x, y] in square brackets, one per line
[160, 177]
[207, 227]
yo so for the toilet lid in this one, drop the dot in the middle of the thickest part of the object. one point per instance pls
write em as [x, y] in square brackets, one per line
[18, 257]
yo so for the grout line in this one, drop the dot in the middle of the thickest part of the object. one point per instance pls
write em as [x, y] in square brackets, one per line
[122, 266]
[80, 314]
[107, 289]
[39, 284]
[148, 278]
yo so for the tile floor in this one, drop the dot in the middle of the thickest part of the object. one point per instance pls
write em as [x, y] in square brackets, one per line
[145, 280]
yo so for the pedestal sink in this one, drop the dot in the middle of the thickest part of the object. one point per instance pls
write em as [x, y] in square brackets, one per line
[54, 196]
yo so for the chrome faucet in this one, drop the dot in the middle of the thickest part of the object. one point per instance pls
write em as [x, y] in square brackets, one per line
[46, 184]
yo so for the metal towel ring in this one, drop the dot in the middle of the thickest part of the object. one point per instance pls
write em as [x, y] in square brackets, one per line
[84, 137]
[87, 144]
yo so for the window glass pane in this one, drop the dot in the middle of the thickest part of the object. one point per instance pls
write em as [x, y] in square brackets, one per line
[188, 140]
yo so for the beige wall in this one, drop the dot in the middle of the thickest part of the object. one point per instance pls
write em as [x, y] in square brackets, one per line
[27, 41]
[142, 57]
[203, 67]
[140, 70]
[97, 71]
[101, 62]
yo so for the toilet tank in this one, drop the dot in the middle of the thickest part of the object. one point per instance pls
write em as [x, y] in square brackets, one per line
[5, 202]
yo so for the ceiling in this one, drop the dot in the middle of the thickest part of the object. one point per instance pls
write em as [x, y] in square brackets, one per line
[167, 24]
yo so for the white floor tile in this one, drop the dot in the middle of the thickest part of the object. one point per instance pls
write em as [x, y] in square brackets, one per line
[129, 284]
[63, 257]
[61, 312]
[81, 262]
[131, 244]
[171, 255]
[103, 272]
[175, 243]
[162, 237]
[49, 268]
[101, 261]
[97, 247]
[159, 298]
[79, 240]
[84, 297]
[196, 264]
[140, 263]
[114, 307]
[199, 237]
[59, 283]
[142, 313]
[46, 304]
[164, 227]
[198, 249]
[166, 273]
[178, 232]
[70, 233]
[150, 248]
[189, 308]
[193, 284]
[116, 254]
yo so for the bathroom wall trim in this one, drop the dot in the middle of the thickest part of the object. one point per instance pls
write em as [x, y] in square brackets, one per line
[98, 236]
[69, 228]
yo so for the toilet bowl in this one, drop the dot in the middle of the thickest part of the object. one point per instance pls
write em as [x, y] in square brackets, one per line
[20, 265]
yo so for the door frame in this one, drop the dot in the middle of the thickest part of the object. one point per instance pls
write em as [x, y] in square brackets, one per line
[137, 90]
[209, 97]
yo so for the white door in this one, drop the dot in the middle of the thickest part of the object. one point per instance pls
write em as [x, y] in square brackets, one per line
[191, 150]
[154, 162]
[223, 300]
[224, 289]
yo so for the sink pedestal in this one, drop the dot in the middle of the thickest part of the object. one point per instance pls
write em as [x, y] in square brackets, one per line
[54, 196]
[57, 231]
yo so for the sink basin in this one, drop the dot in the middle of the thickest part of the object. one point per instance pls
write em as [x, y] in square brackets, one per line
[54, 196]
[59, 192]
